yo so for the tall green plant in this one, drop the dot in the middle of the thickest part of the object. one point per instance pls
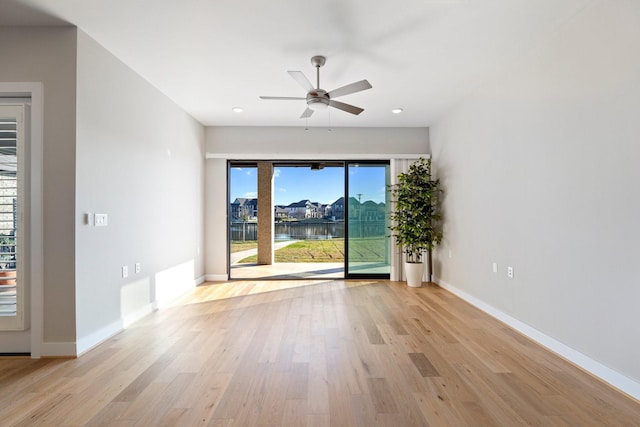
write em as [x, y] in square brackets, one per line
[416, 219]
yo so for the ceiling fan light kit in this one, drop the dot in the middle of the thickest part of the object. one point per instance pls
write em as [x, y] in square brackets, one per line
[319, 99]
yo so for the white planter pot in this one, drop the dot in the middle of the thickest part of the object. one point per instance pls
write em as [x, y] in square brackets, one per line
[414, 272]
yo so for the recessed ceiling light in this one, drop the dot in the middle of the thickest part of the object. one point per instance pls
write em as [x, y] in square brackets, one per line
[397, 110]
[237, 110]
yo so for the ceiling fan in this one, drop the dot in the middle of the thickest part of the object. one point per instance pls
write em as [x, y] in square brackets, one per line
[320, 99]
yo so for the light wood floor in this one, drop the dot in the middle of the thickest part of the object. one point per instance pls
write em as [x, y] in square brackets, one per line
[320, 353]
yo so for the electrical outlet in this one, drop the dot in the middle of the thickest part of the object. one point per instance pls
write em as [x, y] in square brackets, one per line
[510, 272]
[450, 253]
[137, 267]
[125, 271]
[495, 267]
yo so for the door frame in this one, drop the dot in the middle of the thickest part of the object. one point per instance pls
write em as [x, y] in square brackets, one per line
[250, 162]
[348, 275]
[16, 328]
[33, 205]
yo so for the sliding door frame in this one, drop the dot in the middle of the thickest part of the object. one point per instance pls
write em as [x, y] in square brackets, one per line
[346, 159]
[347, 274]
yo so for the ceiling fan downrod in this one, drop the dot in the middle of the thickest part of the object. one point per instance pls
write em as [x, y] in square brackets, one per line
[318, 61]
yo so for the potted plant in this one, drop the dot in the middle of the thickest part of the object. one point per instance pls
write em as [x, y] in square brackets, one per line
[415, 220]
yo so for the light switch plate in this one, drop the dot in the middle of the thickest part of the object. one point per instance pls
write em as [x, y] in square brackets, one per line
[101, 220]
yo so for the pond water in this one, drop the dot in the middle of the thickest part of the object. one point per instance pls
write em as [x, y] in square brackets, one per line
[309, 231]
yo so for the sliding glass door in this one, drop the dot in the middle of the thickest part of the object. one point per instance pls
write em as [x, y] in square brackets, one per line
[330, 220]
[367, 240]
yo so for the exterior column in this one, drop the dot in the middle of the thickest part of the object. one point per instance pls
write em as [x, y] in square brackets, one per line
[265, 213]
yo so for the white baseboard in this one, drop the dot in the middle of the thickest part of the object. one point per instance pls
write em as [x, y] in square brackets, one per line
[58, 349]
[614, 378]
[137, 315]
[87, 342]
[216, 277]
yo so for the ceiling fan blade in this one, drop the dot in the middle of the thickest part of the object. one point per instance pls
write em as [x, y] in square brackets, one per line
[351, 88]
[301, 79]
[346, 107]
[306, 113]
[282, 98]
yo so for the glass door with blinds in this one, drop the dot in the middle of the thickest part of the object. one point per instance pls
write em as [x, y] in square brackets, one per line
[12, 286]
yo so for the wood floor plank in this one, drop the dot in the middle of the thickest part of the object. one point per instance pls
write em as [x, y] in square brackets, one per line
[436, 411]
[383, 400]
[272, 410]
[157, 413]
[109, 415]
[295, 413]
[423, 365]
[312, 353]
[361, 405]
[297, 387]
[339, 406]
[46, 413]
[202, 396]
[349, 368]
[489, 399]
[318, 390]
[370, 327]
[139, 385]
[474, 414]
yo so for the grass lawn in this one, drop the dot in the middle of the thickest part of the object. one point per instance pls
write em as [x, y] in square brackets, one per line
[308, 251]
[361, 250]
[368, 249]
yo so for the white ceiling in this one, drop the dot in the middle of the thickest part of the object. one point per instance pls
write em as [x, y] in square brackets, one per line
[211, 55]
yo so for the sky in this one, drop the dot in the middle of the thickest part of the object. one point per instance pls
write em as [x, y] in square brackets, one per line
[292, 184]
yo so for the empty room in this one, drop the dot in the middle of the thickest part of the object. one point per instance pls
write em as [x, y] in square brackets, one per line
[319, 213]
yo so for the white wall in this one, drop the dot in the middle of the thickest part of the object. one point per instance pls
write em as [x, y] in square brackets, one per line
[216, 220]
[540, 170]
[276, 143]
[256, 142]
[48, 55]
[140, 159]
